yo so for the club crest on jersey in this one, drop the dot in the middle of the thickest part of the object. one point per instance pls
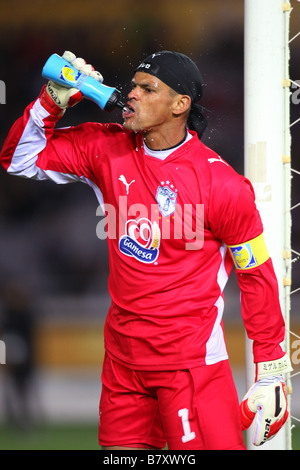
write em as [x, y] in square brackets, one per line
[141, 240]
[166, 200]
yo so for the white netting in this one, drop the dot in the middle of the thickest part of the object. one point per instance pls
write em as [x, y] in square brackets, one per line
[271, 141]
[293, 256]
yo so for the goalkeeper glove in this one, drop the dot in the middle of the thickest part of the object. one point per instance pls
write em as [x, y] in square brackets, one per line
[68, 97]
[266, 403]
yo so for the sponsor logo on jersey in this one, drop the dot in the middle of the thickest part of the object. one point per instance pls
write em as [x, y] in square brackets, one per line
[166, 200]
[243, 256]
[141, 240]
[69, 75]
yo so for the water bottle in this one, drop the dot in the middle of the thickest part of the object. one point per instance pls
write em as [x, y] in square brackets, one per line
[60, 71]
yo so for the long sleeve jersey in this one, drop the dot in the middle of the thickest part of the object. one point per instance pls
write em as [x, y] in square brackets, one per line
[175, 229]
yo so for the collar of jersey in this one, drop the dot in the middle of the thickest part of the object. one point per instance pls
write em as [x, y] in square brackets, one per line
[163, 155]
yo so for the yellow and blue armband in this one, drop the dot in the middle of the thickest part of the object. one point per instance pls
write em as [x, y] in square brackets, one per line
[249, 254]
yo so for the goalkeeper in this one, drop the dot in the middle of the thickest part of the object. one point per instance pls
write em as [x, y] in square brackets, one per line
[166, 376]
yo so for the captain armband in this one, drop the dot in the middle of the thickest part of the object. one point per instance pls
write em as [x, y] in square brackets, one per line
[249, 254]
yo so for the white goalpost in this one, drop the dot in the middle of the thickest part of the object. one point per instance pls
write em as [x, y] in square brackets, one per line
[267, 154]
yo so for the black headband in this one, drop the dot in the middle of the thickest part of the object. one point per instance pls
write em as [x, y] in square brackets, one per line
[181, 74]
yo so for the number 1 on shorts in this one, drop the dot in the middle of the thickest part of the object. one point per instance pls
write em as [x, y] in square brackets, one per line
[188, 435]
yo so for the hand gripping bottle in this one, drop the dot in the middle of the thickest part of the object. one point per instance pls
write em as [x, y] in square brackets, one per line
[60, 71]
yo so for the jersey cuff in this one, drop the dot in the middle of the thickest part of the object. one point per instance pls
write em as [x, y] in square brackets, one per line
[250, 254]
[276, 367]
[49, 105]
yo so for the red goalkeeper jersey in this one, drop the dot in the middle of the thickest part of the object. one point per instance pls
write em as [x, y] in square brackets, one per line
[169, 224]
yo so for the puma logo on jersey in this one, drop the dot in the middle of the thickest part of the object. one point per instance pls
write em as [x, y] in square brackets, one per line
[123, 179]
[219, 159]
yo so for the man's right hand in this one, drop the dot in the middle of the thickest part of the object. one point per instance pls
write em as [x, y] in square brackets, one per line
[68, 97]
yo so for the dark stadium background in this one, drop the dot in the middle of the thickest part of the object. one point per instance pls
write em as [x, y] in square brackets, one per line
[51, 260]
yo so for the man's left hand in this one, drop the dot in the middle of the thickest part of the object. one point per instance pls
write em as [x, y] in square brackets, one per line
[266, 402]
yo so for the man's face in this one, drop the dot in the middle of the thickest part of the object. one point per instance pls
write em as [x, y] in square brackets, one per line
[150, 103]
